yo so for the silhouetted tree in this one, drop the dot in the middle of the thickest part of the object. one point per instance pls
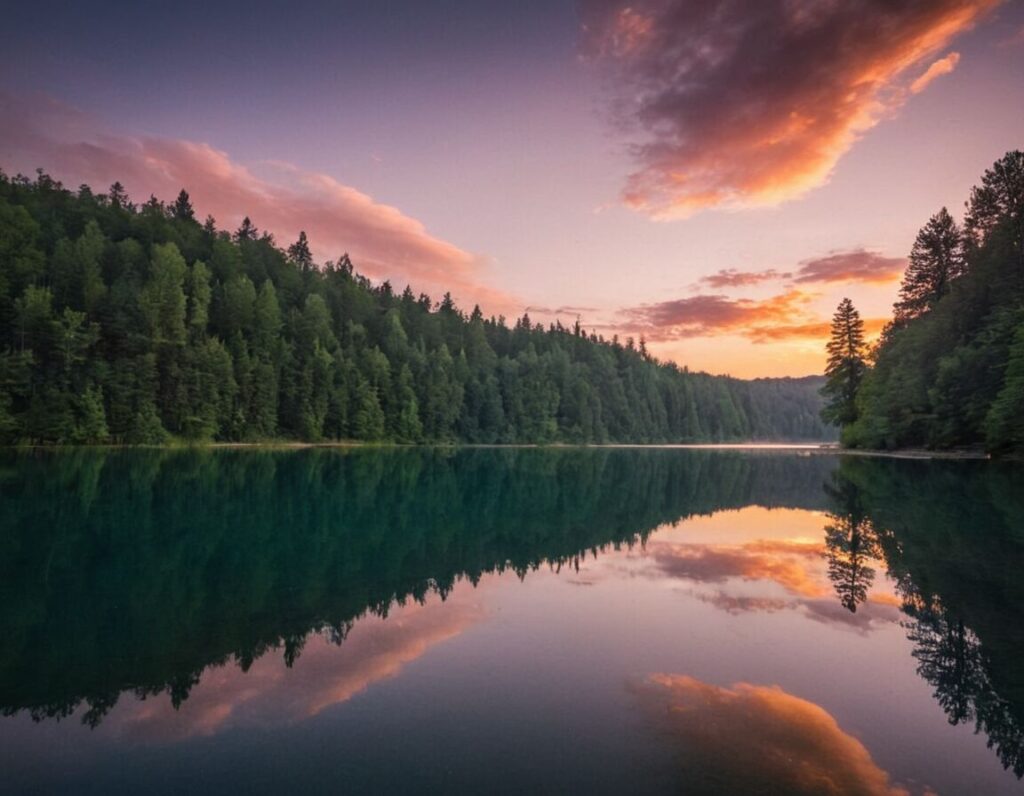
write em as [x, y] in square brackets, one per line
[846, 365]
[935, 261]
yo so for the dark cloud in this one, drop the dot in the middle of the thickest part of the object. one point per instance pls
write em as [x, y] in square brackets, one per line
[738, 103]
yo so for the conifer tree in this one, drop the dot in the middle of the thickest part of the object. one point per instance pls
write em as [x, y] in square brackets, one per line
[182, 207]
[300, 253]
[935, 261]
[846, 365]
[999, 199]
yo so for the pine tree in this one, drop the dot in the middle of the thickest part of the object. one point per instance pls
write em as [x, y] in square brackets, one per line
[999, 199]
[247, 231]
[119, 197]
[935, 261]
[182, 207]
[300, 253]
[846, 365]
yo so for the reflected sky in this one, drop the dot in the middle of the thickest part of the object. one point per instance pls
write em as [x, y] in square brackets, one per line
[719, 651]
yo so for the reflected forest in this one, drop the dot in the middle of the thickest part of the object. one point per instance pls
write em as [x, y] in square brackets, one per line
[133, 572]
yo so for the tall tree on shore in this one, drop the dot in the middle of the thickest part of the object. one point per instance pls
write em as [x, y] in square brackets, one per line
[998, 200]
[935, 261]
[847, 364]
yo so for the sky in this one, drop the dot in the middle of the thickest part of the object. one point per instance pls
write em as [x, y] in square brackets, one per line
[711, 176]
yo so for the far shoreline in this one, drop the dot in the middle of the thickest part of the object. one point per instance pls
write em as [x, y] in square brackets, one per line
[817, 448]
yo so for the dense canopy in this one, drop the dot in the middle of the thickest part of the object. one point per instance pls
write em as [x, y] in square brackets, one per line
[949, 370]
[138, 324]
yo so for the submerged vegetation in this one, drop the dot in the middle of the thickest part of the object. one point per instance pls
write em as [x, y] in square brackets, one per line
[949, 369]
[135, 324]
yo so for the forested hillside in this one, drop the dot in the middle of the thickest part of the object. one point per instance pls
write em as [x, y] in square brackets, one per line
[949, 369]
[140, 324]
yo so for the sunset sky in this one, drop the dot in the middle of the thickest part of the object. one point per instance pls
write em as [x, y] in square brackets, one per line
[712, 176]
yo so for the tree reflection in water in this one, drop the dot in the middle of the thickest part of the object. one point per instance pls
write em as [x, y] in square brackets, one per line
[952, 539]
[134, 571]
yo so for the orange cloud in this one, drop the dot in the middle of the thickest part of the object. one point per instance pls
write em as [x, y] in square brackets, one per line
[753, 104]
[938, 68]
[708, 315]
[797, 567]
[383, 242]
[817, 330]
[787, 563]
[324, 675]
[750, 738]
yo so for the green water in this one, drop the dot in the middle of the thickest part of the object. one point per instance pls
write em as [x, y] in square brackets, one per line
[509, 621]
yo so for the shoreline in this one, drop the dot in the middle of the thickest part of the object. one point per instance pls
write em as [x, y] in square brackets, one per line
[818, 448]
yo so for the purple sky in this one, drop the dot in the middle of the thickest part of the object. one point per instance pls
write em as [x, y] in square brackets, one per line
[714, 176]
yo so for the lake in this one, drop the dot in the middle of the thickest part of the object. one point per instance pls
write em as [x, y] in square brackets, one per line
[510, 621]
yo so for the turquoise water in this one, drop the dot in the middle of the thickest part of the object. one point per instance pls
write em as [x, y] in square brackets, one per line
[510, 621]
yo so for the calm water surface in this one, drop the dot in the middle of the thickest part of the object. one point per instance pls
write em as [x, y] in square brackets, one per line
[510, 621]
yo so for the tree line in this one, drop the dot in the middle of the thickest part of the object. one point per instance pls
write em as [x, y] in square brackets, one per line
[948, 369]
[140, 324]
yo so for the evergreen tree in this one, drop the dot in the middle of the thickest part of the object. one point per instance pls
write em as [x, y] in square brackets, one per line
[846, 365]
[146, 321]
[119, 197]
[945, 377]
[999, 200]
[935, 261]
[247, 231]
[182, 207]
[300, 253]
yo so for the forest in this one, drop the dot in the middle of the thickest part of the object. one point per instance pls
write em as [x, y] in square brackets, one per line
[948, 370]
[139, 324]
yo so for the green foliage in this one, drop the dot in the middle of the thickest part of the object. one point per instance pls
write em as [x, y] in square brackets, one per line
[91, 427]
[935, 261]
[846, 365]
[174, 328]
[1005, 420]
[946, 373]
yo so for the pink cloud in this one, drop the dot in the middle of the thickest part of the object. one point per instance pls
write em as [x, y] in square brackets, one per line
[384, 242]
[739, 104]
[731, 277]
[325, 675]
[857, 265]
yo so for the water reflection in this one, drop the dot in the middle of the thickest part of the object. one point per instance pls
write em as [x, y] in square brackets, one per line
[738, 739]
[174, 574]
[952, 537]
